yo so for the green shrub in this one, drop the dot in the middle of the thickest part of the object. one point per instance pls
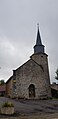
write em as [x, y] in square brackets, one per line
[8, 104]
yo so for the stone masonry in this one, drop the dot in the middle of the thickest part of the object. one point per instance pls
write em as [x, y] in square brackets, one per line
[34, 71]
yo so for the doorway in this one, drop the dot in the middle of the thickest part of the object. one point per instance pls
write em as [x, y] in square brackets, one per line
[32, 91]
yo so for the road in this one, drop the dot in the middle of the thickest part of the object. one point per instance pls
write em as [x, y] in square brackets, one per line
[29, 107]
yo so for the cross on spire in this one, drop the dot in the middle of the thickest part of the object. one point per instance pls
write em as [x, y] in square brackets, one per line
[38, 25]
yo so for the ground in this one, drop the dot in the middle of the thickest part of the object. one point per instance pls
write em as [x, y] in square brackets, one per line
[32, 109]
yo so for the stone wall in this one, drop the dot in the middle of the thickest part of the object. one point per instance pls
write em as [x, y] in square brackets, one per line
[35, 71]
[42, 59]
[9, 87]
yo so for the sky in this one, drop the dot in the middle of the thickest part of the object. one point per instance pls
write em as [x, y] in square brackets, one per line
[18, 30]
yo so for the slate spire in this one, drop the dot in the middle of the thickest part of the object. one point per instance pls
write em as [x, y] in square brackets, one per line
[38, 48]
[38, 40]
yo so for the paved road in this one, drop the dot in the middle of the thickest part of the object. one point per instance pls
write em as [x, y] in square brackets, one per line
[29, 107]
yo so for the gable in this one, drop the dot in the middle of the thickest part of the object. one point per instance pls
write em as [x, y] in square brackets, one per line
[28, 67]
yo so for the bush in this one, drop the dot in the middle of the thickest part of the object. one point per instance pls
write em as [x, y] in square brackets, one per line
[8, 104]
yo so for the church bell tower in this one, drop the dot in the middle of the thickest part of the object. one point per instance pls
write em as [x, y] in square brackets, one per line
[41, 60]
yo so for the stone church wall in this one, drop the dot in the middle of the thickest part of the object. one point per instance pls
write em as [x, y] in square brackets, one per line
[32, 73]
[42, 59]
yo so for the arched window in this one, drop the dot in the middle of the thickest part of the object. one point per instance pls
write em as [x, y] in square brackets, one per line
[31, 91]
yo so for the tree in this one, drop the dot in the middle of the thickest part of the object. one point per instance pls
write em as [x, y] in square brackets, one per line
[56, 77]
[2, 82]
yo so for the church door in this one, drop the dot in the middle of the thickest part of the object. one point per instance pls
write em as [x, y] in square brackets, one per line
[31, 91]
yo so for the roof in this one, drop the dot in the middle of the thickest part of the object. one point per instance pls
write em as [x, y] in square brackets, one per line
[22, 65]
[38, 41]
[9, 79]
[38, 48]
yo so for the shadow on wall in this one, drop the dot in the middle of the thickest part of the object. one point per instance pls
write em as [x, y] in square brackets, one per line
[54, 93]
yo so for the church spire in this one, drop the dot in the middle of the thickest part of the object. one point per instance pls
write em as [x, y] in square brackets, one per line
[38, 40]
[38, 48]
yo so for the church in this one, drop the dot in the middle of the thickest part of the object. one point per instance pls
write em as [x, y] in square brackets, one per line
[31, 80]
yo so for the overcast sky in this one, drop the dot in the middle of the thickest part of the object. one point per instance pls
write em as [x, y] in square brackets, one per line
[18, 28]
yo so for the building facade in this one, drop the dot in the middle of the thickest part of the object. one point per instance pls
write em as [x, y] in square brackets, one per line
[9, 87]
[2, 90]
[31, 80]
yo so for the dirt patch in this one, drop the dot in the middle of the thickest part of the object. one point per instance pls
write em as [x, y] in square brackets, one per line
[45, 116]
